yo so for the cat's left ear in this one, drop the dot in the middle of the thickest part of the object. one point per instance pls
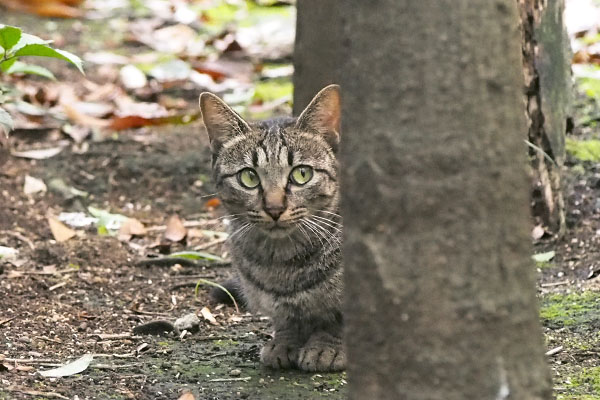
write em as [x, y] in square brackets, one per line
[220, 120]
[323, 115]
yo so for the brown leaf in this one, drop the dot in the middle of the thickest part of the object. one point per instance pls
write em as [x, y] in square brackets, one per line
[133, 121]
[208, 316]
[131, 227]
[175, 231]
[45, 8]
[60, 231]
[537, 232]
[212, 203]
[80, 118]
[187, 396]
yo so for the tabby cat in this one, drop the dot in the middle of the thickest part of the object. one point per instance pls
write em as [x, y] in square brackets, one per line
[278, 179]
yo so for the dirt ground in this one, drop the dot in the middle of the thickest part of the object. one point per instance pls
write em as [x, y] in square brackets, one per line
[62, 300]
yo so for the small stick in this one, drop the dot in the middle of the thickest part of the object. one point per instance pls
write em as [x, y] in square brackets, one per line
[187, 224]
[554, 351]
[38, 393]
[58, 285]
[243, 379]
[7, 320]
[210, 244]
[21, 238]
[555, 284]
[108, 366]
[186, 262]
[110, 336]
[30, 360]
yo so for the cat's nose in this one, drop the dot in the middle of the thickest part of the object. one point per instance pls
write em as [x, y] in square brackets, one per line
[274, 202]
[275, 211]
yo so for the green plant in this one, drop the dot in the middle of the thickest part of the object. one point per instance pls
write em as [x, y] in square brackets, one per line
[14, 44]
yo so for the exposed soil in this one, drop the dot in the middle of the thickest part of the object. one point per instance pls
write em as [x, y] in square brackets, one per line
[59, 300]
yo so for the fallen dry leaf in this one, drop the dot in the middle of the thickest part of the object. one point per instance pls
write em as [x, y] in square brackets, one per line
[187, 396]
[175, 231]
[33, 185]
[80, 118]
[60, 231]
[72, 368]
[212, 203]
[537, 232]
[131, 227]
[45, 8]
[38, 154]
[208, 316]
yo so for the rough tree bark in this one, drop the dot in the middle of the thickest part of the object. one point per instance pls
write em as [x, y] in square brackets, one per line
[440, 297]
[547, 73]
[547, 87]
[315, 51]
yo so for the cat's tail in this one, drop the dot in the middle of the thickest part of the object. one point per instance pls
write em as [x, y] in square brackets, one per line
[234, 287]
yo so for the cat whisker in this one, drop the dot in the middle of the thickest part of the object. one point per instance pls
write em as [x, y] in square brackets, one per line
[327, 220]
[240, 230]
[321, 222]
[329, 212]
[322, 232]
[303, 231]
[231, 215]
[326, 233]
[310, 228]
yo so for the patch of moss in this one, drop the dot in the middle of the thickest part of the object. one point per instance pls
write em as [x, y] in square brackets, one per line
[583, 150]
[225, 343]
[570, 310]
[588, 378]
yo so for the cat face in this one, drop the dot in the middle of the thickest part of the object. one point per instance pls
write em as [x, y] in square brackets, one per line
[278, 175]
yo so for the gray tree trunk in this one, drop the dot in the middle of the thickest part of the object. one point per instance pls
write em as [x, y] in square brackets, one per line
[316, 50]
[440, 295]
[547, 86]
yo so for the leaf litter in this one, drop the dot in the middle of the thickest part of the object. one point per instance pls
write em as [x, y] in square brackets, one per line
[131, 156]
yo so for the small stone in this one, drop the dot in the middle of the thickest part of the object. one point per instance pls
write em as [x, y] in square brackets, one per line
[261, 380]
[235, 372]
[189, 322]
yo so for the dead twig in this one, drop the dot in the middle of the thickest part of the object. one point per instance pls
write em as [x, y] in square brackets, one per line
[554, 284]
[113, 367]
[210, 244]
[187, 224]
[113, 336]
[30, 360]
[58, 285]
[37, 393]
[186, 262]
[22, 238]
[6, 321]
[554, 351]
[242, 379]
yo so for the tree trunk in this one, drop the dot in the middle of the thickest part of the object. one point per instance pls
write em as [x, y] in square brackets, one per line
[547, 86]
[547, 72]
[315, 51]
[440, 297]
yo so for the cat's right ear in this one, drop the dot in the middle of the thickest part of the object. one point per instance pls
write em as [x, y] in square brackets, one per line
[220, 120]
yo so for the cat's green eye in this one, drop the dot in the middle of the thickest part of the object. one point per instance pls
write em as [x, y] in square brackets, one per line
[301, 174]
[248, 178]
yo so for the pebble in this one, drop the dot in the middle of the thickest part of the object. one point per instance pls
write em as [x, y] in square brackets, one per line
[189, 322]
[235, 372]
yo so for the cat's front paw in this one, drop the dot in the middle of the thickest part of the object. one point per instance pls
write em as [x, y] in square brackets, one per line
[279, 354]
[322, 353]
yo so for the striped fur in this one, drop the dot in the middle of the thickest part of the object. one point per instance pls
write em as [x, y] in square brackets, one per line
[289, 267]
